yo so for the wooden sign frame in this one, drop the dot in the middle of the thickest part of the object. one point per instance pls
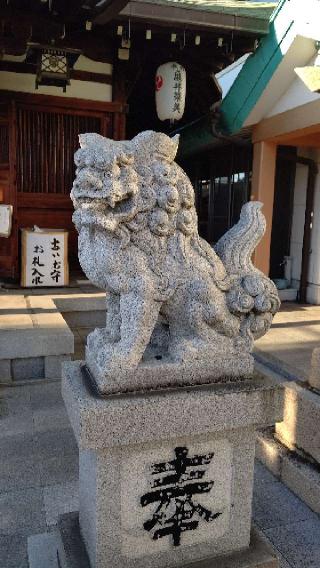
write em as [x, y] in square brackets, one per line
[24, 233]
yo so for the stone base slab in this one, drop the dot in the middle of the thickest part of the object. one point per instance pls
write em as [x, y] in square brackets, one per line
[34, 339]
[122, 419]
[210, 368]
[72, 553]
[166, 476]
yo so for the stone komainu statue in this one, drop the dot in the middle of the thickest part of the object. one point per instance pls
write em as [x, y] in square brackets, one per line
[177, 310]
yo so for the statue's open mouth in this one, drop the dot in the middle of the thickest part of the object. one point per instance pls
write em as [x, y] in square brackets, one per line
[102, 204]
[101, 211]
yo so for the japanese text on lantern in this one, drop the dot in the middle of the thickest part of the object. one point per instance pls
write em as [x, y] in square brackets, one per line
[177, 88]
[44, 258]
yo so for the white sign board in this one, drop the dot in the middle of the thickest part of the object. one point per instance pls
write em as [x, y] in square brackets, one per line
[44, 258]
[5, 220]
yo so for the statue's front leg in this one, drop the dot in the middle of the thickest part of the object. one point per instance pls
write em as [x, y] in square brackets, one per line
[138, 315]
[113, 319]
[111, 332]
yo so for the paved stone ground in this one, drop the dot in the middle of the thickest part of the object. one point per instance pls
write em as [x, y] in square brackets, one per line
[287, 346]
[294, 334]
[39, 473]
[38, 453]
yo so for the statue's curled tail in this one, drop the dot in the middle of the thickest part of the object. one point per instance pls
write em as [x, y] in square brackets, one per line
[253, 296]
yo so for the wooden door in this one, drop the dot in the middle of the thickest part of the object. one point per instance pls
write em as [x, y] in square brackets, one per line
[7, 181]
[46, 142]
[40, 171]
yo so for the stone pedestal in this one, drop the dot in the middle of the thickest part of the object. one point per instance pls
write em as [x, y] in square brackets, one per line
[166, 477]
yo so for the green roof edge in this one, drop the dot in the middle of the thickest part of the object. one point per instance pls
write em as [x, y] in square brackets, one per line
[244, 93]
[254, 76]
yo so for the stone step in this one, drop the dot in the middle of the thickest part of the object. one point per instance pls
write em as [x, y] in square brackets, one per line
[292, 451]
[299, 430]
[83, 310]
[296, 472]
[34, 338]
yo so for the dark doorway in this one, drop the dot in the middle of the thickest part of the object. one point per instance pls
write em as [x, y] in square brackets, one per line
[222, 181]
[282, 209]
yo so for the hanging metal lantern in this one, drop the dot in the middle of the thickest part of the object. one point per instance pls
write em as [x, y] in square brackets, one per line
[170, 91]
[53, 68]
[53, 64]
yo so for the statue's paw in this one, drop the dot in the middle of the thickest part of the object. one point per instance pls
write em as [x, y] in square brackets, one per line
[97, 339]
[113, 359]
[244, 342]
[231, 326]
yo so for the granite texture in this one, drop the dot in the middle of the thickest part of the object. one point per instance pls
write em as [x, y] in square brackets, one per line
[129, 419]
[298, 542]
[113, 482]
[72, 555]
[173, 303]
[151, 374]
[5, 371]
[128, 443]
[314, 375]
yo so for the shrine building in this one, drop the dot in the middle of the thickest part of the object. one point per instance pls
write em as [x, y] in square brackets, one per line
[72, 67]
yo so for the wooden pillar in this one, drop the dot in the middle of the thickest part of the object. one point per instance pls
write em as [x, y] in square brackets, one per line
[263, 182]
[120, 95]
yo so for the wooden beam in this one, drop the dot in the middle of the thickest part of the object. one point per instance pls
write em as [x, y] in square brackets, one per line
[110, 10]
[79, 75]
[81, 105]
[24, 18]
[76, 74]
[263, 182]
[299, 121]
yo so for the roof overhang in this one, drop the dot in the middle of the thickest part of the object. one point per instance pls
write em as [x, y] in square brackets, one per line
[171, 12]
[269, 72]
[108, 9]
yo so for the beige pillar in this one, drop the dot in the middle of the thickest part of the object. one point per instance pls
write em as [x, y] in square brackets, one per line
[263, 180]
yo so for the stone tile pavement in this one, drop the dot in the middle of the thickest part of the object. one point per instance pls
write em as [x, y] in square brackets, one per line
[288, 346]
[39, 473]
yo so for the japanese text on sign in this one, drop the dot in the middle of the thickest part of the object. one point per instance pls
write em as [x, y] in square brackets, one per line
[44, 258]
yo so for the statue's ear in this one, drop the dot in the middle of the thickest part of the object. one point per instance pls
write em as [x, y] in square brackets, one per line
[92, 139]
[175, 139]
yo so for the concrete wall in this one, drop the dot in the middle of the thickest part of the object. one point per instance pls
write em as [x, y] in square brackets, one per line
[25, 82]
[313, 293]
